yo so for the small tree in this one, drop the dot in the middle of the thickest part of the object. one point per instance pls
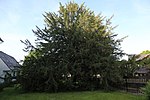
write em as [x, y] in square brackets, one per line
[74, 47]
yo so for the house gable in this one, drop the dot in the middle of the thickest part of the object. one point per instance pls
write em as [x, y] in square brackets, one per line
[9, 60]
[7, 64]
[3, 67]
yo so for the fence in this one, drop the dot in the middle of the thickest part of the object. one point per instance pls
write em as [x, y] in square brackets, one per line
[135, 84]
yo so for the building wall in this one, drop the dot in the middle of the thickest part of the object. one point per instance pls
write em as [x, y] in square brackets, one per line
[3, 66]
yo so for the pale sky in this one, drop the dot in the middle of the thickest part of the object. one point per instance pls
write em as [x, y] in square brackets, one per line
[19, 17]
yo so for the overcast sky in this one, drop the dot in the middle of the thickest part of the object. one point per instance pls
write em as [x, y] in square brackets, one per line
[19, 17]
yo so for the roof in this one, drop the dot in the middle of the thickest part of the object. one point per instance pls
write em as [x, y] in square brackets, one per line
[9, 60]
[142, 70]
[142, 56]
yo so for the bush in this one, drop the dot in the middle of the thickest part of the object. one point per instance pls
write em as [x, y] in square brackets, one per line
[17, 86]
[146, 90]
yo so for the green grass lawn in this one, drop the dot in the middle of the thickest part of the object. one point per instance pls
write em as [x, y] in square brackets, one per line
[12, 94]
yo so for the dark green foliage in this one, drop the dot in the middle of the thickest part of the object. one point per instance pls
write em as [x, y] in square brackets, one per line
[127, 68]
[76, 50]
[146, 90]
[145, 62]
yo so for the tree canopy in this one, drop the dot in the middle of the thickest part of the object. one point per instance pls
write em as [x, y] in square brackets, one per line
[77, 50]
[145, 52]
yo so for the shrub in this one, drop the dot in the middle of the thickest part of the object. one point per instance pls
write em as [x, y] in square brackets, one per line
[146, 90]
[17, 86]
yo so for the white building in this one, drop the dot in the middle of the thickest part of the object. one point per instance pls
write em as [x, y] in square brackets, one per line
[8, 64]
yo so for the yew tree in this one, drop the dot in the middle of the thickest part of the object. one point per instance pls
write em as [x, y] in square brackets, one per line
[77, 50]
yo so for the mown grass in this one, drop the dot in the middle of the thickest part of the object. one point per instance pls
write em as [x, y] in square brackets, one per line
[12, 94]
